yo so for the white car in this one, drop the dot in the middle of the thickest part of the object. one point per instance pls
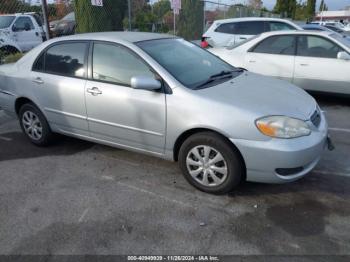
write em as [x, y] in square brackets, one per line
[315, 61]
[232, 31]
[20, 32]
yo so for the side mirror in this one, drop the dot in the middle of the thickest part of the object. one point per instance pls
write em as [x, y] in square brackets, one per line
[145, 82]
[343, 56]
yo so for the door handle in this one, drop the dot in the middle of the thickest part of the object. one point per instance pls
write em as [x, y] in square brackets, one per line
[304, 64]
[252, 61]
[38, 81]
[94, 91]
[243, 38]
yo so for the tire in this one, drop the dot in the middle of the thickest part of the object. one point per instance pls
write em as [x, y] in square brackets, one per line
[218, 173]
[34, 125]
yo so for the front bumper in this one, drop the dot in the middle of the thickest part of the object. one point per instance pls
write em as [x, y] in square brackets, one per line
[301, 155]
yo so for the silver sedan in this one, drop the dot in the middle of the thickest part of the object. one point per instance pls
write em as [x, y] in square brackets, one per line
[164, 96]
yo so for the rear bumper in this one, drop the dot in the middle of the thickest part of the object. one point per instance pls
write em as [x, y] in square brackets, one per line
[295, 156]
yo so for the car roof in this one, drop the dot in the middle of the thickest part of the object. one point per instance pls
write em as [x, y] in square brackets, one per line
[243, 19]
[131, 37]
[298, 32]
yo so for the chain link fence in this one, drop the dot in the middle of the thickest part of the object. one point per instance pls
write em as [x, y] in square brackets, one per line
[66, 17]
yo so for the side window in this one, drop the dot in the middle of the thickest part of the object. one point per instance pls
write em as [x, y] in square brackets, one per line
[250, 28]
[23, 23]
[117, 64]
[277, 45]
[66, 59]
[228, 28]
[315, 46]
[280, 26]
[39, 63]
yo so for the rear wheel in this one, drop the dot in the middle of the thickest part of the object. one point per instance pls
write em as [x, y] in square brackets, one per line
[34, 125]
[210, 163]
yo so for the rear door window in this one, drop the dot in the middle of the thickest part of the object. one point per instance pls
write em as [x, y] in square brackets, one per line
[227, 28]
[277, 45]
[66, 59]
[280, 26]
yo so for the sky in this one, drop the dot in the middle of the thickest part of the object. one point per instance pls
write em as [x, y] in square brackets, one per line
[332, 4]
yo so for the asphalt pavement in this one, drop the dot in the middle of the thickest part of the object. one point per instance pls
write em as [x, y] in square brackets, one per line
[77, 197]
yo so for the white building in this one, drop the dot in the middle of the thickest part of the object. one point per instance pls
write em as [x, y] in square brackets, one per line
[342, 15]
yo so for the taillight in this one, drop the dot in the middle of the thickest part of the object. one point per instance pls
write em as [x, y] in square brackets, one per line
[204, 44]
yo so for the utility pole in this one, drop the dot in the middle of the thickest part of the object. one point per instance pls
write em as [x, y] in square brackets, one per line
[129, 13]
[46, 19]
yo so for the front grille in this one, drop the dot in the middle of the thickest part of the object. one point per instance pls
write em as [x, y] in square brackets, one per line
[316, 118]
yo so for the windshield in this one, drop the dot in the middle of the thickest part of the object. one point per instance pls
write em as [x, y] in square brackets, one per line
[5, 21]
[344, 40]
[189, 64]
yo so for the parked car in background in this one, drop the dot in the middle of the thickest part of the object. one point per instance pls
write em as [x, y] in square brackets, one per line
[65, 26]
[228, 32]
[331, 29]
[338, 30]
[315, 61]
[347, 27]
[164, 96]
[20, 32]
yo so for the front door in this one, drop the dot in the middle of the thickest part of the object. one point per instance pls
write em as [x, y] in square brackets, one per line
[117, 113]
[25, 34]
[318, 68]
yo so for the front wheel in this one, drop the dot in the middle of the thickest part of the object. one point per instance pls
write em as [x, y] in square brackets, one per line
[34, 125]
[210, 163]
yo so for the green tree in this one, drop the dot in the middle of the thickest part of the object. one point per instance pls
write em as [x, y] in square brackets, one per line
[287, 8]
[190, 22]
[310, 9]
[323, 6]
[256, 4]
[160, 8]
[109, 17]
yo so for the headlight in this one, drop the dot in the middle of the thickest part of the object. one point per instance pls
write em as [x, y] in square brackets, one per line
[282, 127]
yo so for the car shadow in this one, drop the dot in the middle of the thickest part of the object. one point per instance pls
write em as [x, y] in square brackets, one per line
[15, 145]
[330, 99]
[313, 182]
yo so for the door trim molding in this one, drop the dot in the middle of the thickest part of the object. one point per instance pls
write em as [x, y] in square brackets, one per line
[125, 127]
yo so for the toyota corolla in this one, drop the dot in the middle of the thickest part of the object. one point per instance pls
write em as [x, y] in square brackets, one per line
[166, 97]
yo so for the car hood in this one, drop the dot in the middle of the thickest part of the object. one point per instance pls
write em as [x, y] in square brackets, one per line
[263, 96]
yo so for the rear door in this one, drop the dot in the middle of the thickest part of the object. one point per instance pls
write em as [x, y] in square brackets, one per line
[274, 56]
[317, 66]
[58, 79]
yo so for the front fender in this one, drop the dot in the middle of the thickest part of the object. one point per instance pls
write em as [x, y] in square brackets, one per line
[5, 41]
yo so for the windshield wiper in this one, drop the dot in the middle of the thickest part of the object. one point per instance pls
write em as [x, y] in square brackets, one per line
[222, 75]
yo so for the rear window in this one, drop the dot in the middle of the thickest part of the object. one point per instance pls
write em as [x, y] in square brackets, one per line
[38, 19]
